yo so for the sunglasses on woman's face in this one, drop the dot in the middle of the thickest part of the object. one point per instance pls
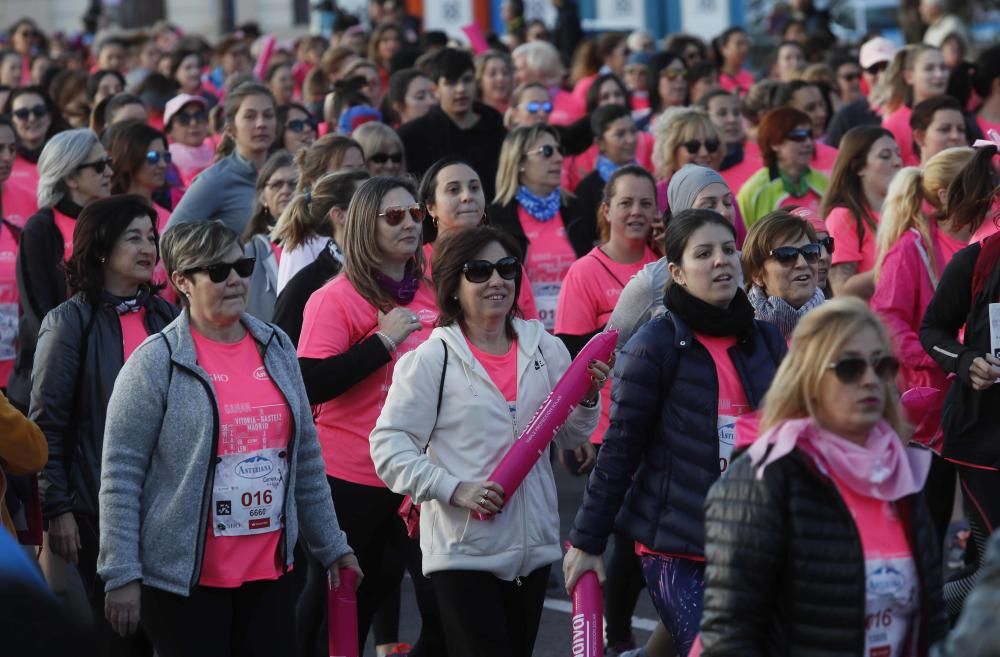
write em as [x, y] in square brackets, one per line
[382, 158]
[826, 243]
[300, 125]
[852, 369]
[39, 111]
[154, 157]
[547, 150]
[187, 118]
[788, 255]
[875, 69]
[394, 216]
[693, 146]
[480, 271]
[219, 272]
[535, 108]
[799, 135]
[97, 165]
[674, 73]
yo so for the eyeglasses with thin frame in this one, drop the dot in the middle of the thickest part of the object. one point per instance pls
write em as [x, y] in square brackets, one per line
[394, 216]
[97, 165]
[788, 255]
[852, 368]
[799, 135]
[24, 113]
[535, 108]
[278, 183]
[693, 146]
[219, 271]
[153, 157]
[382, 158]
[547, 151]
[480, 271]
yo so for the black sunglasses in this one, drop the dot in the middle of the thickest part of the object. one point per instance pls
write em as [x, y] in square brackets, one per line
[97, 165]
[219, 272]
[826, 243]
[799, 135]
[382, 158]
[850, 77]
[299, 125]
[875, 69]
[394, 216]
[187, 118]
[480, 271]
[39, 111]
[154, 157]
[694, 145]
[852, 368]
[548, 150]
[787, 255]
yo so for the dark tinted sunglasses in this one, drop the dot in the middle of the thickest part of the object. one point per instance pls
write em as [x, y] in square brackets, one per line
[219, 272]
[694, 145]
[480, 271]
[826, 243]
[98, 165]
[850, 77]
[875, 69]
[851, 369]
[548, 150]
[299, 125]
[394, 216]
[382, 158]
[187, 118]
[798, 135]
[535, 108]
[154, 157]
[787, 255]
[39, 111]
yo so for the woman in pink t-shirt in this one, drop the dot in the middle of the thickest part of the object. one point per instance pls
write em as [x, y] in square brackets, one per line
[354, 330]
[937, 123]
[868, 160]
[825, 511]
[83, 344]
[732, 48]
[917, 72]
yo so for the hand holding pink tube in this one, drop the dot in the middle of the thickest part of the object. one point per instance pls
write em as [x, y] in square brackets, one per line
[588, 615]
[343, 611]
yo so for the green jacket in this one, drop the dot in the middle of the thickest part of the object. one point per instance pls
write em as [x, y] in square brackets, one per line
[765, 191]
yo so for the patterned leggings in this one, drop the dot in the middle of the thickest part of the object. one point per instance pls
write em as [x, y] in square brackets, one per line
[676, 587]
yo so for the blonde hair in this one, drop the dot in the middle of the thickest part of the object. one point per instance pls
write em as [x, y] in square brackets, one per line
[512, 153]
[515, 101]
[542, 59]
[909, 189]
[816, 342]
[675, 126]
[375, 136]
[893, 90]
[482, 61]
[308, 213]
[322, 156]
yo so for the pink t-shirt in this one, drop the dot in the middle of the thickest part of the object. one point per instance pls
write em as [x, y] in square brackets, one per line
[949, 247]
[24, 175]
[740, 83]
[892, 590]
[160, 276]
[502, 370]
[525, 300]
[811, 200]
[842, 226]
[565, 109]
[985, 126]
[823, 159]
[65, 224]
[335, 319]
[732, 398]
[8, 303]
[738, 174]
[578, 167]
[587, 299]
[898, 123]
[550, 256]
[133, 331]
[19, 201]
[254, 418]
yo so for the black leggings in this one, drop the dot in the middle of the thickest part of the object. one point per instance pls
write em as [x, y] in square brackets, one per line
[981, 490]
[621, 590]
[489, 617]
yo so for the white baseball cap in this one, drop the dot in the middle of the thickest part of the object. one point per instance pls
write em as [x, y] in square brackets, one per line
[875, 51]
[175, 104]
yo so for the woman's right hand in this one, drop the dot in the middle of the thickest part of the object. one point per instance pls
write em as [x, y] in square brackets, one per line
[483, 497]
[984, 372]
[64, 537]
[398, 324]
[576, 563]
[121, 608]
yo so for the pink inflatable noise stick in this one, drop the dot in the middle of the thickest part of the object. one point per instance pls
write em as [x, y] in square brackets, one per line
[343, 610]
[551, 415]
[587, 617]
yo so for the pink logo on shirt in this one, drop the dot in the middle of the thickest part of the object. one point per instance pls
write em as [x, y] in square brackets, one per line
[261, 374]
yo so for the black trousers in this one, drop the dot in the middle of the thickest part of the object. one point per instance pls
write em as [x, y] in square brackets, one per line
[254, 620]
[621, 590]
[489, 617]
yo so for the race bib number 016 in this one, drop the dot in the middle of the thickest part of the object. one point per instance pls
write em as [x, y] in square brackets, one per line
[249, 492]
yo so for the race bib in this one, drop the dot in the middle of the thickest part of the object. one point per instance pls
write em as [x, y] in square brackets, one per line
[546, 300]
[891, 607]
[249, 492]
[727, 438]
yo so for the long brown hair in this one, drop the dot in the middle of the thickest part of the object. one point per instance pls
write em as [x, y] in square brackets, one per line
[845, 190]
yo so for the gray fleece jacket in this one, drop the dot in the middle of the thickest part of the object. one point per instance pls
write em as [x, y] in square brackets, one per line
[157, 473]
[224, 191]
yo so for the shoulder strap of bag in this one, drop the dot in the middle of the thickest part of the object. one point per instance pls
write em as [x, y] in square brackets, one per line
[444, 368]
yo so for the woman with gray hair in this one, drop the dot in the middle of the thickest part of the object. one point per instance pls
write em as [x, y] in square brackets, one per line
[210, 469]
[73, 170]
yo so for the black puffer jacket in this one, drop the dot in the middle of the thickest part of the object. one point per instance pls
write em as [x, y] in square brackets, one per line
[664, 431]
[78, 358]
[785, 570]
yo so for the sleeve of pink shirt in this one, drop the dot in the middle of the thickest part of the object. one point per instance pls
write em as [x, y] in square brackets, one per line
[844, 231]
[576, 313]
[526, 300]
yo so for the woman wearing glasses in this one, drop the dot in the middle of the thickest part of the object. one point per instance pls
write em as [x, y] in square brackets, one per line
[36, 120]
[780, 266]
[74, 169]
[82, 345]
[684, 135]
[382, 147]
[668, 86]
[185, 120]
[457, 405]
[824, 512]
[530, 104]
[211, 468]
[354, 329]
[786, 146]
[296, 128]
[867, 161]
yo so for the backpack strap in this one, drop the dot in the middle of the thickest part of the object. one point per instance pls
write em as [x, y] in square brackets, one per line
[444, 368]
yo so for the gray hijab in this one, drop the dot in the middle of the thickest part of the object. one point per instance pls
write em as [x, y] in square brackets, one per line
[686, 184]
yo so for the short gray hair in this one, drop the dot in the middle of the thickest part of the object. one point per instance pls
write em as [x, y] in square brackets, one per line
[195, 244]
[61, 157]
[542, 58]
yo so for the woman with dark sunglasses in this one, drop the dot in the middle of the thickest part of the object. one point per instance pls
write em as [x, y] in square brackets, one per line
[680, 383]
[185, 120]
[211, 468]
[786, 146]
[780, 260]
[382, 147]
[82, 346]
[296, 128]
[457, 404]
[530, 104]
[74, 169]
[354, 330]
[822, 522]
[36, 120]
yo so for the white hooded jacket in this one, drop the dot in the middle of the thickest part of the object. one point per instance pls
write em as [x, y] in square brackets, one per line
[467, 440]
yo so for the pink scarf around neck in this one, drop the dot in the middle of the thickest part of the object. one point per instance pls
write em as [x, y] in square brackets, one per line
[882, 468]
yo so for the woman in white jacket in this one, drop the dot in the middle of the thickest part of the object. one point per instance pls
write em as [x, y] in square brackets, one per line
[486, 372]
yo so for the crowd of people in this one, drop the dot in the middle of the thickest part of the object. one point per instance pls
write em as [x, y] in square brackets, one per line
[275, 310]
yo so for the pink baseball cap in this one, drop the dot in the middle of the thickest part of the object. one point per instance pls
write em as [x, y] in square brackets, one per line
[808, 216]
[875, 51]
[175, 104]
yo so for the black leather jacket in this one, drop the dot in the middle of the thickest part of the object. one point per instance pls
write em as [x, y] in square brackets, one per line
[79, 355]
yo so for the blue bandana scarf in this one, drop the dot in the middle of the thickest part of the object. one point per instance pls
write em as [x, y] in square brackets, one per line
[542, 208]
[606, 167]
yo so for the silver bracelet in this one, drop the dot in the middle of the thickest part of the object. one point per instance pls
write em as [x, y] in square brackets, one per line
[590, 404]
[392, 343]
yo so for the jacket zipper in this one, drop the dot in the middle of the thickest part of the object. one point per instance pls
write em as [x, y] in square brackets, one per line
[291, 453]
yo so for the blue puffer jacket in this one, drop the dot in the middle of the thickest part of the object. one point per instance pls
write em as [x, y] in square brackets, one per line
[661, 452]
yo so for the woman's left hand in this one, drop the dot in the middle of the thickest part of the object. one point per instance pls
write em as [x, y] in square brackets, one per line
[599, 373]
[347, 561]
